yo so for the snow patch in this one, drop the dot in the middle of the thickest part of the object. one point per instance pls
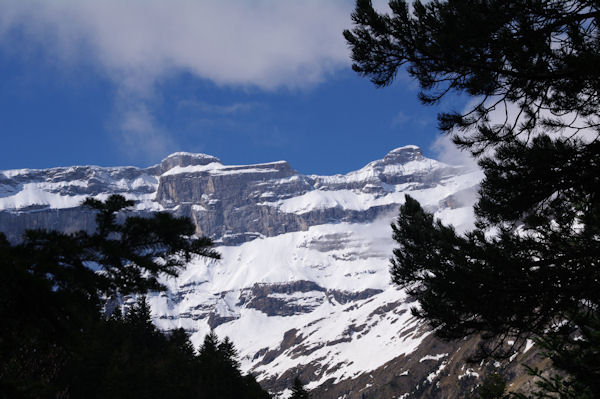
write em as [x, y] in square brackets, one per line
[433, 357]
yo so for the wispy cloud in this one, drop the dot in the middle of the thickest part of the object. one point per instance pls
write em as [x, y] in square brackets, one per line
[218, 109]
[140, 136]
[402, 119]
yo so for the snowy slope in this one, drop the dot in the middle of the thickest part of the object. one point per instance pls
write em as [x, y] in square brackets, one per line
[339, 339]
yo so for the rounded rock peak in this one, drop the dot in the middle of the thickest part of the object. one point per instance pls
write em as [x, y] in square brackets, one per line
[403, 155]
[184, 159]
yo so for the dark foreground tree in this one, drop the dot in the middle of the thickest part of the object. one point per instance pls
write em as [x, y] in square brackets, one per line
[493, 387]
[130, 358]
[298, 391]
[538, 57]
[55, 341]
[530, 267]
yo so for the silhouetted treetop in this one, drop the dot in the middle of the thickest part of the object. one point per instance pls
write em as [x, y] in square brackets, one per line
[535, 60]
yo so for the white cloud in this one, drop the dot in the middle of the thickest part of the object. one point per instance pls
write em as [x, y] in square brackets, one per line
[263, 43]
[447, 152]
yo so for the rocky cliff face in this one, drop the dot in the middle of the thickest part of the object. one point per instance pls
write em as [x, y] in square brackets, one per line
[233, 204]
[303, 287]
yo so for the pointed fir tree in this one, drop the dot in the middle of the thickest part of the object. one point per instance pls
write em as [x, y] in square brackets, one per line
[180, 340]
[493, 387]
[228, 354]
[210, 346]
[298, 391]
[139, 316]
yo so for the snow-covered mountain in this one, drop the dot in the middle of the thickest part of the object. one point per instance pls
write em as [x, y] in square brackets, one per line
[303, 287]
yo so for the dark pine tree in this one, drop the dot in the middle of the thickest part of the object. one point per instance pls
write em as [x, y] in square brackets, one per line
[530, 267]
[298, 391]
[539, 56]
[228, 353]
[220, 373]
[493, 387]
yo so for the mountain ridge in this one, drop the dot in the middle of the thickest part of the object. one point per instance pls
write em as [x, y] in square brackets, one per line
[182, 179]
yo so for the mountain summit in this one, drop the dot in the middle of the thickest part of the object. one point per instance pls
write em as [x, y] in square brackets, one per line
[403, 155]
[183, 159]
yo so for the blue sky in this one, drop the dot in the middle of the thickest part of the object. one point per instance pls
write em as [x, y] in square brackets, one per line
[126, 83]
